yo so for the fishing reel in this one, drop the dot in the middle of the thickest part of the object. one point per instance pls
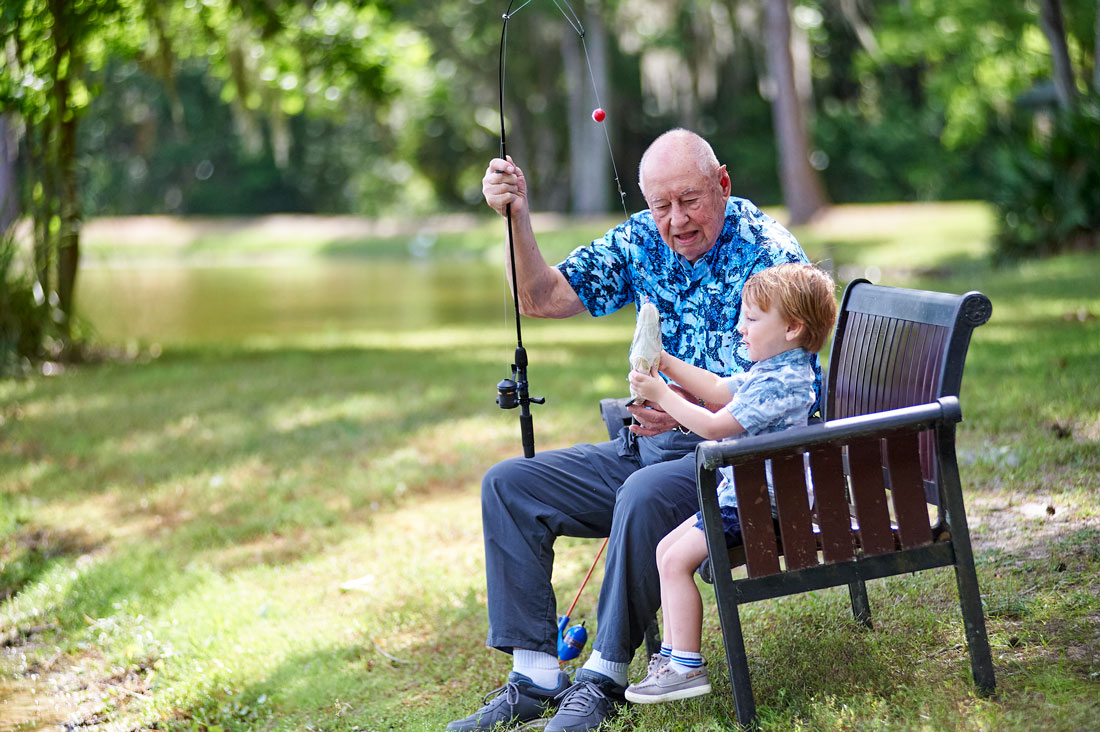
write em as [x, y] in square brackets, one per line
[507, 394]
[571, 640]
[512, 393]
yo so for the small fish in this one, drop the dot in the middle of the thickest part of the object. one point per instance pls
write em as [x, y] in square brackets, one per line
[645, 349]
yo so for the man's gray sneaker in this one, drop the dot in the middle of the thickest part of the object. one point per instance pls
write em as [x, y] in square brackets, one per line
[668, 684]
[586, 704]
[517, 701]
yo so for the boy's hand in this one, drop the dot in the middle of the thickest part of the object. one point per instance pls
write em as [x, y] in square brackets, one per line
[649, 386]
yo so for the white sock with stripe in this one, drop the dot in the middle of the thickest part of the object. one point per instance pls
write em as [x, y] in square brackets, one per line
[685, 661]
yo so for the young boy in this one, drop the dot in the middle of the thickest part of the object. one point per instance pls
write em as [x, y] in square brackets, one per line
[786, 314]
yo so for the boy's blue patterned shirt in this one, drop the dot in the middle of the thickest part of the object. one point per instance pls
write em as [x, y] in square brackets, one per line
[775, 394]
[700, 303]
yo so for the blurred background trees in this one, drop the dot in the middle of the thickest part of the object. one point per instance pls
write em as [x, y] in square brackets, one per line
[391, 107]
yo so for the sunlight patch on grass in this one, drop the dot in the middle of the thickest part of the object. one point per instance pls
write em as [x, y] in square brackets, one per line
[295, 414]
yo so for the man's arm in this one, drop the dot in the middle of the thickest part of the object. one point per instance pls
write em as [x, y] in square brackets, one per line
[543, 290]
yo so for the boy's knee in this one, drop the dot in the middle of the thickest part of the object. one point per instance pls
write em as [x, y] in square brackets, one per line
[680, 558]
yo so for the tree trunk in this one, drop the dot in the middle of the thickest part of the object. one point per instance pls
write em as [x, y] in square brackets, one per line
[589, 168]
[66, 65]
[68, 237]
[1050, 19]
[9, 191]
[1096, 54]
[802, 189]
[39, 169]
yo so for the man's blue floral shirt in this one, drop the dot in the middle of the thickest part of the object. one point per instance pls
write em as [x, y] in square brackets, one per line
[700, 303]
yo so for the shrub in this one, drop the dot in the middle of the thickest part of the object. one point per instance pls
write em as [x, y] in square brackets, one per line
[1047, 184]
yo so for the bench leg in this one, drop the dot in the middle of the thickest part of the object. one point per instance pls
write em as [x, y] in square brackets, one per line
[861, 607]
[725, 594]
[966, 578]
[738, 663]
[977, 642]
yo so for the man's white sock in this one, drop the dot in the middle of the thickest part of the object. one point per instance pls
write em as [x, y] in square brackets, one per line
[612, 670]
[541, 668]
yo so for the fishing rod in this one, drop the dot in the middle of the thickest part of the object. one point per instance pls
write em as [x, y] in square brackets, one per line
[513, 392]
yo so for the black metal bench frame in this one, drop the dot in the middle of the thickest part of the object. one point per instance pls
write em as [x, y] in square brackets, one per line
[883, 457]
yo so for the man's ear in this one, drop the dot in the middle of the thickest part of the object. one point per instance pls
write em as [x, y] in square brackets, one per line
[795, 330]
[724, 181]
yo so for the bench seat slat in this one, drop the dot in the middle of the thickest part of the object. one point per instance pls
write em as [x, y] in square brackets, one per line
[869, 497]
[755, 511]
[907, 490]
[795, 526]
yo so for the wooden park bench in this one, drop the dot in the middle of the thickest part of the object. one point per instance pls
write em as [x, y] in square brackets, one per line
[887, 499]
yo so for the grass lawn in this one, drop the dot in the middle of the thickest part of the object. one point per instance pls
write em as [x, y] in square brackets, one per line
[178, 533]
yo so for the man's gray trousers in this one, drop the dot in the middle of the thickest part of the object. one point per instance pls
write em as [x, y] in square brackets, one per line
[633, 489]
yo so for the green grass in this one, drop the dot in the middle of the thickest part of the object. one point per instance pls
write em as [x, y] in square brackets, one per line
[174, 531]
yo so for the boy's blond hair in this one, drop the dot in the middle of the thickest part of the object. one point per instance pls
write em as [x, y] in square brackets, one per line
[803, 293]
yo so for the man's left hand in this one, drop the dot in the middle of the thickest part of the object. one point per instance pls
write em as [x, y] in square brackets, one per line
[652, 420]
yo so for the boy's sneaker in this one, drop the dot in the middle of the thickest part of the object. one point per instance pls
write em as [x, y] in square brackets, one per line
[586, 704]
[656, 661]
[516, 702]
[668, 684]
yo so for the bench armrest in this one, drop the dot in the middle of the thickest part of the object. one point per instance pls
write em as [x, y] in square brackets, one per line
[712, 454]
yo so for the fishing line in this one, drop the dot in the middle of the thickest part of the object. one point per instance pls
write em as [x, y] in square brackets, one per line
[574, 22]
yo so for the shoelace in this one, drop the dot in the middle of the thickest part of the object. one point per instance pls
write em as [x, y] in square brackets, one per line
[580, 697]
[510, 695]
[655, 661]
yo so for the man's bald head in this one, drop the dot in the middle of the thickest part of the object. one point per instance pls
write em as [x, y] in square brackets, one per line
[678, 147]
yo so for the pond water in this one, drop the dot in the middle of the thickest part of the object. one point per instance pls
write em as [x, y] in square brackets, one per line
[227, 304]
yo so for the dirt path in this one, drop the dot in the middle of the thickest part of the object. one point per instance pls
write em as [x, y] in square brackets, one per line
[29, 703]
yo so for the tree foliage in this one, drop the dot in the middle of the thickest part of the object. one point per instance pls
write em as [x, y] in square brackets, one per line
[268, 62]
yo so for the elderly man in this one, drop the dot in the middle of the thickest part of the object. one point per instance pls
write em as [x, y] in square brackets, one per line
[689, 254]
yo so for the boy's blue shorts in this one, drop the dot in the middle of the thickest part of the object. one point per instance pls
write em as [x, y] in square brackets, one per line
[731, 525]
